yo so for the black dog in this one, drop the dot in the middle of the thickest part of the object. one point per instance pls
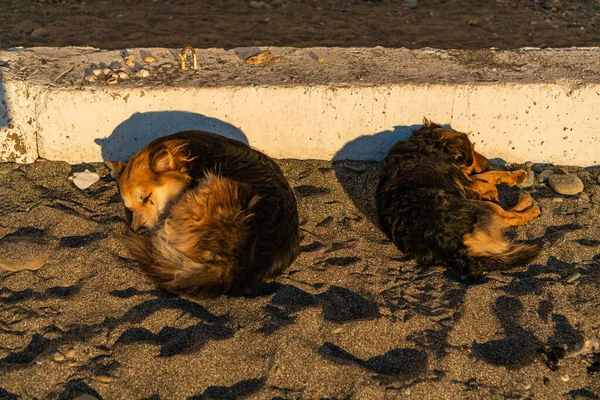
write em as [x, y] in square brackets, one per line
[434, 211]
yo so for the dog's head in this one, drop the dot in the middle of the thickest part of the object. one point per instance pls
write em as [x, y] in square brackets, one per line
[152, 179]
[458, 146]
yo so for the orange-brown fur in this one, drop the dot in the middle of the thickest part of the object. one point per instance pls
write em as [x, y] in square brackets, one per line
[210, 215]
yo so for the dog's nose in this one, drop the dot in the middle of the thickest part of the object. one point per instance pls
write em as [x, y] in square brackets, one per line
[140, 230]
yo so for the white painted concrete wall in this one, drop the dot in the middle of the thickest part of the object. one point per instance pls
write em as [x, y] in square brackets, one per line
[541, 123]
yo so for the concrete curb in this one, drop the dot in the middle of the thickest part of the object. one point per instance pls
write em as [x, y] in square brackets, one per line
[530, 104]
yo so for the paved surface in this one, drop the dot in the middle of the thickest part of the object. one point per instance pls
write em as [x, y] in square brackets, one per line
[350, 319]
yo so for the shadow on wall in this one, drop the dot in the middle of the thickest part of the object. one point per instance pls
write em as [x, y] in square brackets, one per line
[360, 186]
[4, 114]
[133, 134]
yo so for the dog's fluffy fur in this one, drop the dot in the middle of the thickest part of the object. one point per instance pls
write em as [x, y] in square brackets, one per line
[210, 214]
[434, 210]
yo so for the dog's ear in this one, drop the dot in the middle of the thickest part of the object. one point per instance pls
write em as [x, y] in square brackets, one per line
[116, 168]
[163, 161]
[427, 123]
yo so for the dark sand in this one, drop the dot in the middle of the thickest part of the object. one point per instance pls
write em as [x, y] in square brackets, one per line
[350, 319]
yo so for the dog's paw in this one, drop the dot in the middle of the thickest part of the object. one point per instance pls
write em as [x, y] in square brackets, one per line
[525, 201]
[519, 176]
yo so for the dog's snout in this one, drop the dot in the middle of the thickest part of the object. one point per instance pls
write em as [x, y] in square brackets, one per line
[140, 230]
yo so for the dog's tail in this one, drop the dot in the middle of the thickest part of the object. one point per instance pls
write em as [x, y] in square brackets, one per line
[198, 248]
[493, 251]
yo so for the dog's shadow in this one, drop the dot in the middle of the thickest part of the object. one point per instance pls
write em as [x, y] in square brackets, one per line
[134, 133]
[371, 149]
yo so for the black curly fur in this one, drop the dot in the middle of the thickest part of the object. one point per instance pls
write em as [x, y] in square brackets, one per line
[425, 207]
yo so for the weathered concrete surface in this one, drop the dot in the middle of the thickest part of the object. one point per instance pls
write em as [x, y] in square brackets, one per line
[529, 104]
[350, 319]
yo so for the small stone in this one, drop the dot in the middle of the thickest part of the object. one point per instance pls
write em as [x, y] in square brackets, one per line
[530, 180]
[70, 354]
[39, 32]
[104, 378]
[142, 73]
[355, 166]
[567, 184]
[277, 371]
[277, 3]
[572, 278]
[58, 357]
[123, 75]
[115, 65]
[320, 59]
[528, 165]
[112, 80]
[527, 386]
[565, 378]
[97, 71]
[537, 168]
[257, 5]
[337, 331]
[149, 59]
[411, 4]
[91, 78]
[107, 71]
[275, 60]
[259, 59]
[130, 61]
[558, 199]
[407, 392]
[543, 177]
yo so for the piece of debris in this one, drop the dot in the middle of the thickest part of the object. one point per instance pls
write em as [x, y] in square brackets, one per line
[104, 378]
[142, 73]
[112, 80]
[573, 277]
[183, 57]
[85, 179]
[91, 78]
[58, 357]
[276, 60]
[130, 61]
[123, 75]
[149, 59]
[259, 59]
[568, 184]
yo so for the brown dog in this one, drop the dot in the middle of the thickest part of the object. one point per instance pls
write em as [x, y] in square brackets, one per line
[211, 215]
[436, 204]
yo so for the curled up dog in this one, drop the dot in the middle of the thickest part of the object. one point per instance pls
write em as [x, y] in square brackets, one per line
[210, 215]
[437, 205]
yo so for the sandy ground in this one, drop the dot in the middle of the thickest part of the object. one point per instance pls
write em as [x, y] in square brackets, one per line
[459, 24]
[351, 318]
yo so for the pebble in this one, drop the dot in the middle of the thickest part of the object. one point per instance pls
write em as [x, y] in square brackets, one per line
[411, 4]
[115, 65]
[149, 59]
[527, 386]
[112, 80]
[528, 165]
[356, 167]
[97, 71]
[565, 378]
[104, 378]
[337, 330]
[257, 5]
[123, 75]
[572, 278]
[142, 73]
[39, 32]
[537, 168]
[70, 354]
[530, 180]
[58, 357]
[558, 199]
[130, 61]
[277, 3]
[568, 184]
[543, 177]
